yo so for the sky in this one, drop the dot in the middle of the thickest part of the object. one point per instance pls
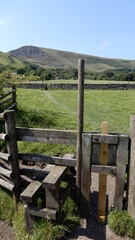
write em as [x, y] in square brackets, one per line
[103, 28]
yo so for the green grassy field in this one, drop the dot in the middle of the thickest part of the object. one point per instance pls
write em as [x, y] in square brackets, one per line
[58, 110]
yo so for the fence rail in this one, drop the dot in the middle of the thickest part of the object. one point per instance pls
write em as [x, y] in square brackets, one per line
[8, 100]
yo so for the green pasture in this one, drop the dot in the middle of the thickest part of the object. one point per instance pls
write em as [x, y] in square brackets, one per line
[57, 109]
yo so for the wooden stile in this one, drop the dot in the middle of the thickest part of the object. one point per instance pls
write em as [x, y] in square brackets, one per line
[103, 177]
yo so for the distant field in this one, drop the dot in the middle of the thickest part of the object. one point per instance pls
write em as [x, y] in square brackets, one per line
[75, 81]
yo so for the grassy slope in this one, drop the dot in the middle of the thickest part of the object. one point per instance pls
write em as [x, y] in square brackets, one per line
[6, 59]
[63, 59]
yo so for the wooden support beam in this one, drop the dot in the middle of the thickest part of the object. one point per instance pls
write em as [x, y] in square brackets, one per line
[80, 126]
[111, 170]
[3, 137]
[103, 177]
[6, 185]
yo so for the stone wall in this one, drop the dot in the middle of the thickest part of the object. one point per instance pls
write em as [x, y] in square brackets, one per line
[75, 86]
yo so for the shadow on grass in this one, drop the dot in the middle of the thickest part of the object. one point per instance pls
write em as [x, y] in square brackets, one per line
[35, 118]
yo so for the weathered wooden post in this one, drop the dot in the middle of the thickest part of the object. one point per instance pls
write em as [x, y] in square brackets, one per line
[13, 152]
[80, 125]
[131, 195]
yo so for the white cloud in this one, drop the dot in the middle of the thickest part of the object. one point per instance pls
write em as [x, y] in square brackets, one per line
[104, 45]
[128, 41]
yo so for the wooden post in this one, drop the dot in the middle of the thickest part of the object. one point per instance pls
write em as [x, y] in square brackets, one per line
[103, 177]
[80, 125]
[85, 175]
[131, 195]
[13, 152]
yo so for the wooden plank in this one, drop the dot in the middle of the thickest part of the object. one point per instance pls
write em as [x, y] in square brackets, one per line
[85, 175]
[6, 185]
[47, 159]
[52, 198]
[3, 137]
[2, 116]
[103, 177]
[41, 212]
[81, 63]
[5, 156]
[122, 154]
[8, 100]
[95, 154]
[5, 172]
[131, 195]
[46, 136]
[33, 173]
[5, 95]
[109, 139]
[112, 155]
[111, 170]
[54, 177]
[12, 106]
[29, 193]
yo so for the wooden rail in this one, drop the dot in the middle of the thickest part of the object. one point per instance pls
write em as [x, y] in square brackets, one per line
[8, 99]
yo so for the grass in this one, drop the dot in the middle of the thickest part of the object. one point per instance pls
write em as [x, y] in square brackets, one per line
[43, 230]
[122, 223]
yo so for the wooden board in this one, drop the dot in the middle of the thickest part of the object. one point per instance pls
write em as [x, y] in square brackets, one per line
[46, 136]
[85, 175]
[47, 159]
[111, 170]
[122, 155]
[41, 212]
[29, 193]
[103, 177]
[54, 177]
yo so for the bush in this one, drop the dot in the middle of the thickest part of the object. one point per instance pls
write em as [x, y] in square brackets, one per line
[121, 223]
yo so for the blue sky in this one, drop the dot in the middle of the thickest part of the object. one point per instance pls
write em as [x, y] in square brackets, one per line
[96, 27]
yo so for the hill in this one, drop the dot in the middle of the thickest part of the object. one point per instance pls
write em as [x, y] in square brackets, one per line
[49, 58]
[6, 59]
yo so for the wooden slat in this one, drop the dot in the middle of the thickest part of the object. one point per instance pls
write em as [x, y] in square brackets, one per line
[95, 154]
[41, 212]
[3, 137]
[109, 139]
[112, 155]
[103, 177]
[85, 175]
[5, 172]
[12, 106]
[29, 193]
[5, 156]
[54, 177]
[2, 116]
[47, 159]
[46, 136]
[6, 185]
[122, 154]
[5, 95]
[111, 170]
[8, 100]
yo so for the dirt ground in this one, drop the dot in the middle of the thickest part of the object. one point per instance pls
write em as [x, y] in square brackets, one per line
[88, 230]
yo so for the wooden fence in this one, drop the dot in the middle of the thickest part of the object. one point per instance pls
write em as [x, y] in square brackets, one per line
[8, 100]
[15, 176]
